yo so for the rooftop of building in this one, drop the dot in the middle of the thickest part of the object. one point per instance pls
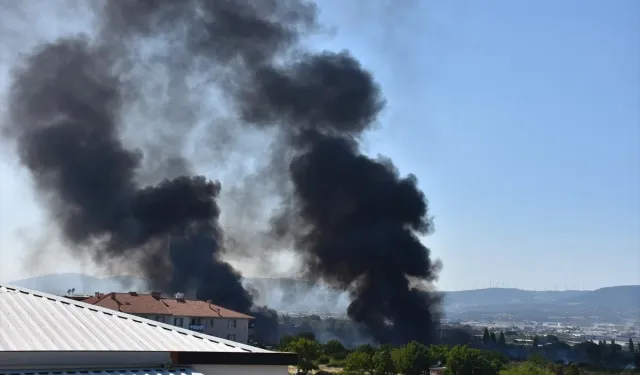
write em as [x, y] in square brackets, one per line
[34, 321]
[156, 304]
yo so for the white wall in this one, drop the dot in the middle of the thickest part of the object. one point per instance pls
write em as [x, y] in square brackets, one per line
[241, 370]
[222, 328]
[85, 360]
[48, 361]
[218, 327]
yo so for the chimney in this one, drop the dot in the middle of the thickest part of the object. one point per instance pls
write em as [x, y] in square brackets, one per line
[209, 301]
[156, 295]
[98, 294]
[113, 296]
[134, 294]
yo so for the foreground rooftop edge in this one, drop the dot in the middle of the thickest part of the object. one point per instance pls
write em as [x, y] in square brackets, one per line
[31, 321]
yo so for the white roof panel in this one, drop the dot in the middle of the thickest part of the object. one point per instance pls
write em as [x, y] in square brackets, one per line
[147, 371]
[34, 321]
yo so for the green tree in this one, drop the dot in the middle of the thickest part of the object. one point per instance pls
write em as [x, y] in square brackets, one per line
[485, 336]
[501, 340]
[496, 356]
[556, 368]
[333, 347]
[463, 360]
[496, 366]
[359, 362]
[526, 368]
[492, 336]
[592, 351]
[631, 346]
[366, 348]
[382, 362]
[538, 360]
[411, 359]
[286, 339]
[572, 369]
[438, 354]
[308, 352]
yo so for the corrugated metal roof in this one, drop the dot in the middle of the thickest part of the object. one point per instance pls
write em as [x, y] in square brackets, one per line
[147, 371]
[34, 321]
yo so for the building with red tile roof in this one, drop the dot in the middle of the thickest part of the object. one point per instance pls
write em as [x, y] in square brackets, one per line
[200, 316]
[50, 335]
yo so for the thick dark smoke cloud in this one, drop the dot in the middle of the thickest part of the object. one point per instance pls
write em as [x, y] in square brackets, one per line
[65, 104]
[354, 219]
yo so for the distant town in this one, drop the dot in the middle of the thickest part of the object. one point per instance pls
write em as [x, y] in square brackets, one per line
[523, 317]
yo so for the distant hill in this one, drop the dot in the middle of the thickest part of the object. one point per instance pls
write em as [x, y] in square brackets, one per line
[621, 297]
[297, 295]
[624, 296]
[497, 296]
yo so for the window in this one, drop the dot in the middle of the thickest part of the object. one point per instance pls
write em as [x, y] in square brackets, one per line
[232, 323]
[177, 322]
[231, 337]
[159, 318]
[211, 322]
[196, 321]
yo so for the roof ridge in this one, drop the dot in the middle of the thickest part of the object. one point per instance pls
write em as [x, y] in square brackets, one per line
[98, 297]
[95, 308]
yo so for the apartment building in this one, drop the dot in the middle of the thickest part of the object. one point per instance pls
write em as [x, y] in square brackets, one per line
[199, 316]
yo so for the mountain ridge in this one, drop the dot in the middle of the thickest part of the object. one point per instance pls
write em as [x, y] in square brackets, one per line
[289, 294]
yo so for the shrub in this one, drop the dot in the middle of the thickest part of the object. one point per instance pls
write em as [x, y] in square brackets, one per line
[336, 363]
[411, 359]
[340, 356]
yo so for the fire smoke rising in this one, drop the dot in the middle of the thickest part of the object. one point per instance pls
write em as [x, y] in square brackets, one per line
[353, 219]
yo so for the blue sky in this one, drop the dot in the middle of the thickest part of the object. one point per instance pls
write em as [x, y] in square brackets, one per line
[521, 120]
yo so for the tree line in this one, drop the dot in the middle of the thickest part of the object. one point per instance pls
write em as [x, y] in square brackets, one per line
[410, 359]
[416, 359]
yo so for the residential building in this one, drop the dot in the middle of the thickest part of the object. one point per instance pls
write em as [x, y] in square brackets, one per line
[195, 315]
[48, 335]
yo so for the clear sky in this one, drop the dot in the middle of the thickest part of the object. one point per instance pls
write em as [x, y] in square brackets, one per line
[521, 120]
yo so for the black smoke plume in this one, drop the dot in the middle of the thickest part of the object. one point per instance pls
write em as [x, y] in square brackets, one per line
[354, 219]
[65, 110]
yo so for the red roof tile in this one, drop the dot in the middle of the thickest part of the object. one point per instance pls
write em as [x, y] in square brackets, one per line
[134, 303]
[91, 300]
